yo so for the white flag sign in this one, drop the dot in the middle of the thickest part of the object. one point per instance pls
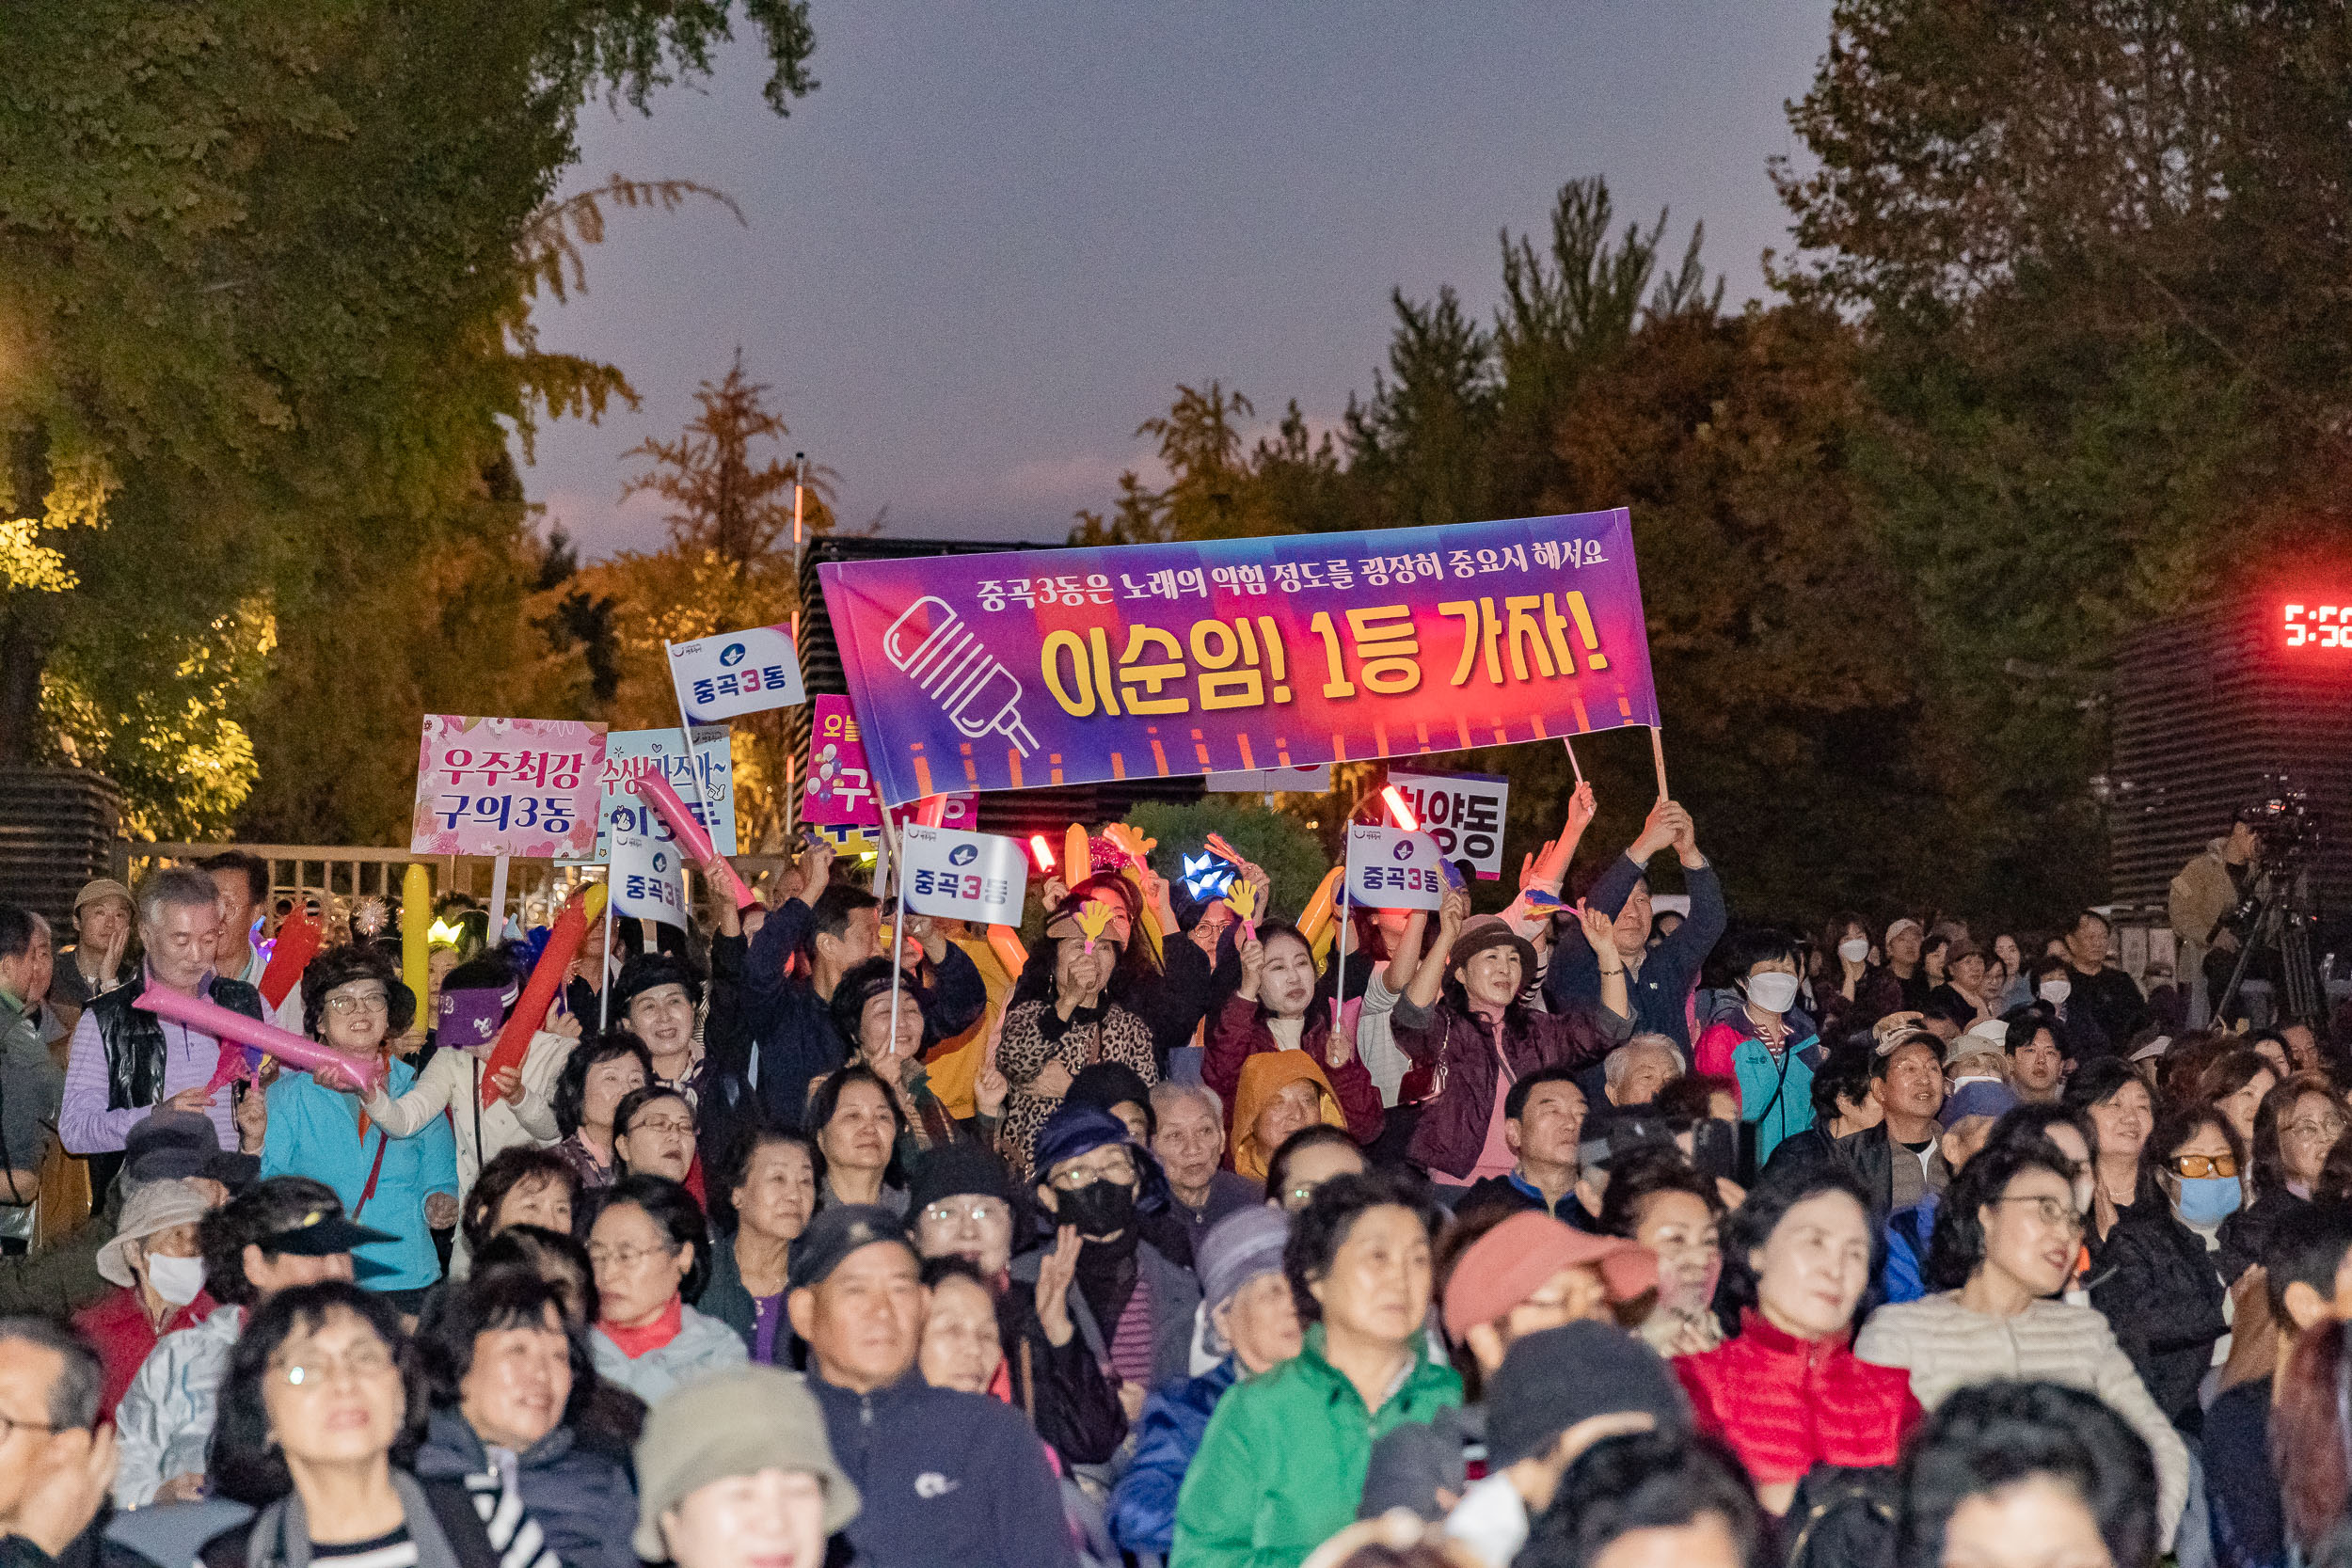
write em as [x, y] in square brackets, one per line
[1388, 868]
[737, 671]
[976, 877]
[1463, 811]
[648, 879]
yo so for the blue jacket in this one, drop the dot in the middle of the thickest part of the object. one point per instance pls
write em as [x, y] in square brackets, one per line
[584, 1502]
[945, 1480]
[1908, 1231]
[1661, 992]
[314, 1132]
[1143, 1505]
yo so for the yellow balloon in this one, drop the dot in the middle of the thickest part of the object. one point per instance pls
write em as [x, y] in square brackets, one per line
[416, 927]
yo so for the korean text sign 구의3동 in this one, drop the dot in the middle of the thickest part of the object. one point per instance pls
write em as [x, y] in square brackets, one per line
[507, 786]
[1051, 667]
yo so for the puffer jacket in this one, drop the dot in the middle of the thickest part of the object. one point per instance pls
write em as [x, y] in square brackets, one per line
[1143, 1504]
[2161, 1288]
[165, 1422]
[1241, 1032]
[584, 1503]
[1944, 1347]
[703, 1346]
[1462, 1047]
[1787, 1404]
[1774, 1096]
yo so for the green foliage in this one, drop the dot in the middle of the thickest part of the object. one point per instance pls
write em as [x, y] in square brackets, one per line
[1293, 857]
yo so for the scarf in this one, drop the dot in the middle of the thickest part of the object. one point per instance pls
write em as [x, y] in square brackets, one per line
[1106, 1278]
[634, 1341]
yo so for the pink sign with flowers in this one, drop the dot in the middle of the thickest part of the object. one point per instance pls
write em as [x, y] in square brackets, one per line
[508, 787]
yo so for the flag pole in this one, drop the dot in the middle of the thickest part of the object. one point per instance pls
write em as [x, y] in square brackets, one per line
[1658, 754]
[1575, 766]
[604, 977]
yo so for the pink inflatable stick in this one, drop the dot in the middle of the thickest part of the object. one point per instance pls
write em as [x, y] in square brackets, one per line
[224, 1025]
[655, 791]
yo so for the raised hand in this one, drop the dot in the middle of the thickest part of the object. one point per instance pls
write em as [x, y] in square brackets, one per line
[816, 866]
[989, 1090]
[508, 1081]
[1656, 832]
[1252, 955]
[1582, 807]
[1054, 1274]
[1600, 933]
[1452, 909]
[561, 1021]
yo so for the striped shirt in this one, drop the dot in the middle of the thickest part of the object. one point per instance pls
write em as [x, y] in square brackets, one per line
[515, 1535]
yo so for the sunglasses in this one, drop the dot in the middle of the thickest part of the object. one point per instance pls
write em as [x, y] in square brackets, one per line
[2199, 1165]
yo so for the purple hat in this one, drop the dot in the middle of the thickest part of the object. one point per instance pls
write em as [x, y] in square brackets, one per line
[471, 1016]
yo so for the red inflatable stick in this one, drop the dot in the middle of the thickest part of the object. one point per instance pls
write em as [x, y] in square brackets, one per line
[547, 979]
[655, 791]
[222, 1025]
[297, 944]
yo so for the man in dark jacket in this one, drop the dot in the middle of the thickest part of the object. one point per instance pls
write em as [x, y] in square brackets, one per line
[1899, 1160]
[780, 1034]
[1659, 978]
[945, 1478]
[2107, 996]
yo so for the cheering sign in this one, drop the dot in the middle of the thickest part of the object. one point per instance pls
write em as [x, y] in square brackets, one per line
[840, 789]
[974, 877]
[648, 879]
[1463, 811]
[706, 781]
[737, 671]
[1066, 667]
[507, 786]
[1388, 868]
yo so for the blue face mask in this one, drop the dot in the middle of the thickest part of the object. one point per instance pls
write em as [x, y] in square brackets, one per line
[2207, 1200]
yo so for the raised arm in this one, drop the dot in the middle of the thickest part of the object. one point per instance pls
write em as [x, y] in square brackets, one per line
[1429, 978]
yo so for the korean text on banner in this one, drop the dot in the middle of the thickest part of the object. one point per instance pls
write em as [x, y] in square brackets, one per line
[840, 791]
[1463, 811]
[1388, 868]
[1064, 667]
[648, 879]
[735, 672]
[711, 798]
[507, 786]
[976, 877]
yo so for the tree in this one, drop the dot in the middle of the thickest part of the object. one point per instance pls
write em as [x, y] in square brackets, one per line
[269, 278]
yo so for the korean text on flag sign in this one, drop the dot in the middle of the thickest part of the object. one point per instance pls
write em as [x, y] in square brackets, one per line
[840, 792]
[711, 798]
[1064, 667]
[507, 786]
[735, 672]
[648, 879]
[976, 877]
[1388, 868]
[1463, 811]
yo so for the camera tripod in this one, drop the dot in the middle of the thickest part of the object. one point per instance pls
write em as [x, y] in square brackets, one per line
[2282, 924]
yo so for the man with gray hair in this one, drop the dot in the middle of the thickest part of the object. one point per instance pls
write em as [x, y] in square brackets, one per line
[125, 1060]
[56, 1464]
[1634, 1072]
[1190, 1145]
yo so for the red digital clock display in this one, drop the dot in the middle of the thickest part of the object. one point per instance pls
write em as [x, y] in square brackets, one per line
[2316, 626]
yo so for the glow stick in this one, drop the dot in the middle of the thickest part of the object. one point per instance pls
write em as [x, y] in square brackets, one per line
[222, 1025]
[416, 931]
[547, 978]
[655, 791]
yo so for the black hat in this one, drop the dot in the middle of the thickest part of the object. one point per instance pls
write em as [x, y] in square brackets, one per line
[953, 1170]
[170, 1145]
[1491, 930]
[1553, 1380]
[835, 1234]
[1104, 1084]
[320, 1232]
[641, 974]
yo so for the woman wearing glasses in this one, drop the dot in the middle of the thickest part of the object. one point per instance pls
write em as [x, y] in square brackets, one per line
[321, 1390]
[2299, 1122]
[353, 1001]
[2005, 1241]
[651, 1254]
[2160, 1272]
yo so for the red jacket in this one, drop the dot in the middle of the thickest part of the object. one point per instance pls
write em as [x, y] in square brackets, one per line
[118, 1329]
[1452, 1128]
[1787, 1404]
[1240, 1034]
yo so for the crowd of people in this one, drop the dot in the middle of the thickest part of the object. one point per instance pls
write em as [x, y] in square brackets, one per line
[1579, 1235]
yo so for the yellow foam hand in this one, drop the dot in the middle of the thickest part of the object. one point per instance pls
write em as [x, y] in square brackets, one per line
[1130, 841]
[1094, 918]
[1243, 896]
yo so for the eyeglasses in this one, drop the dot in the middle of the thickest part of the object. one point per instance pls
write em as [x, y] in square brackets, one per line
[980, 1213]
[313, 1372]
[10, 1426]
[2329, 1128]
[660, 1124]
[344, 1004]
[1122, 1169]
[2196, 1166]
[626, 1256]
[2054, 1212]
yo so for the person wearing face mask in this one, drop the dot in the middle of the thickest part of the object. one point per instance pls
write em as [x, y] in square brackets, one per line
[1132, 1294]
[1464, 1020]
[1047, 1039]
[158, 1270]
[1275, 1009]
[1254, 1323]
[1851, 992]
[2079, 1032]
[2160, 1274]
[1769, 1045]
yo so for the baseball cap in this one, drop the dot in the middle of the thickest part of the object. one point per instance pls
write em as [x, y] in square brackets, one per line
[1507, 1264]
[1978, 1099]
[1551, 1381]
[320, 1232]
[1988, 1039]
[835, 1234]
[101, 887]
[754, 1418]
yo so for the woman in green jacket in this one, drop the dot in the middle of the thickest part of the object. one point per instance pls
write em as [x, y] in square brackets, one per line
[1281, 1467]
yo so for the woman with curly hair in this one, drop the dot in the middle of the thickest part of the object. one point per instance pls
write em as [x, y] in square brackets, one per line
[1070, 1010]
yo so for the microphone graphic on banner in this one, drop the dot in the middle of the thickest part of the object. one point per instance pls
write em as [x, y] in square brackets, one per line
[955, 669]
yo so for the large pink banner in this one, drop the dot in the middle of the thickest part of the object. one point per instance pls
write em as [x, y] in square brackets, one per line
[508, 787]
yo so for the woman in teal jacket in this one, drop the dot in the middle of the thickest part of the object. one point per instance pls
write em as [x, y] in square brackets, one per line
[1281, 1466]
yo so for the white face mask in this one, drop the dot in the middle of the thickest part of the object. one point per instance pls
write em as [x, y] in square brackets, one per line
[1773, 991]
[177, 1280]
[2055, 991]
[1854, 949]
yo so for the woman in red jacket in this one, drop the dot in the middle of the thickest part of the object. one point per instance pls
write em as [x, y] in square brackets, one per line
[1787, 1394]
[1275, 1010]
[158, 1271]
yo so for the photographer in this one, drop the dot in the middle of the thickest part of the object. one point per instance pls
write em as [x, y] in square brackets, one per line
[2204, 897]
